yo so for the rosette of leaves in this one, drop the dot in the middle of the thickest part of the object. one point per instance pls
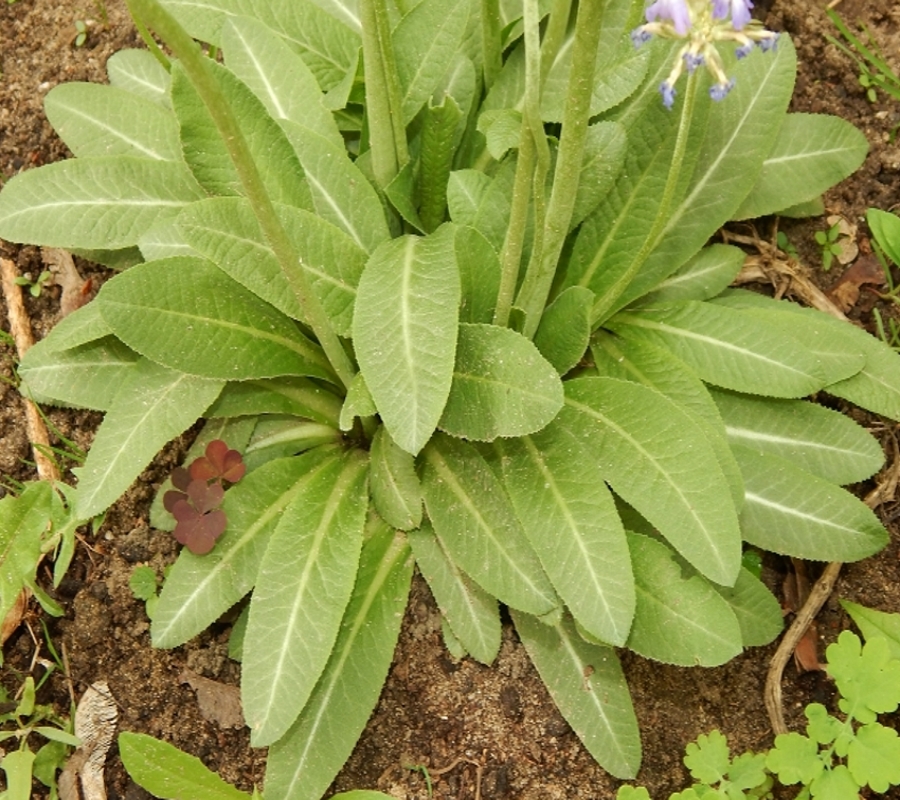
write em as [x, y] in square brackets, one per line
[454, 304]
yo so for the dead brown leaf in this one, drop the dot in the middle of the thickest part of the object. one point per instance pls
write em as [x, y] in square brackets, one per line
[865, 271]
[95, 725]
[75, 290]
[219, 702]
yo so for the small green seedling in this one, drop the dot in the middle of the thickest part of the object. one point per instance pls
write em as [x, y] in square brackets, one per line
[35, 286]
[144, 586]
[785, 245]
[81, 32]
[874, 71]
[19, 720]
[828, 240]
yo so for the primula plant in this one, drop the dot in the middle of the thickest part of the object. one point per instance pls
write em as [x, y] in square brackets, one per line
[439, 271]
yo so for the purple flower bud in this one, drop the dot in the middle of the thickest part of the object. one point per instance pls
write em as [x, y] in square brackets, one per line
[744, 50]
[718, 91]
[769, 43]
[640, 37]
[668, 94]
[739, 9]
[676, 11]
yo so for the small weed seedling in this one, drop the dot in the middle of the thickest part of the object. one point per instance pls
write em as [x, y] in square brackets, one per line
[20, 720]
[874, 71]
[144, 586]
[785, 245]
[35, 286]
[81, 32]
[828, 240]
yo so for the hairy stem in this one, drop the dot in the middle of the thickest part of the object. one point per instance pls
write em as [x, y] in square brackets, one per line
[200, 73]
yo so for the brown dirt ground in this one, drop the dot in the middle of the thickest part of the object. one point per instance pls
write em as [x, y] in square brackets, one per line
[434, 710]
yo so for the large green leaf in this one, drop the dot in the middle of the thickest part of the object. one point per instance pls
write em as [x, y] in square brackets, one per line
[298, 397]
[565, 328]
[757, 610]
[341, 193]
[876, 624]
[199, 589]
[225, 230]
[812, 437]
[473, 615]
[478, 526]
[101, 202]
[738, 135]
[792, 512]
[502, 386]
[302, 589]
[88, 375]
[205, 323]
[726, 348]
[425, 42]
[678, 620]
[702, 277]
[97, 120]
[138, 72]
[587, 685]
[153, 405]
[167, 772]
[812, 153]
[277, 76]
[656, 458]
[328, 47]
[641, 362]
[207, 155]
[876, 386]
[405, 330]
[571, 521]
[479, 273]
[393, 483]
[305, 760]
[604, 154]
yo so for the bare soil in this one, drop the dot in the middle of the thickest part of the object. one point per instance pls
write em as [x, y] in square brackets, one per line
[489, 732]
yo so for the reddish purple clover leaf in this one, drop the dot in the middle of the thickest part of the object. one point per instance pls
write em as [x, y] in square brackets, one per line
[181, 479]
[219, 464]
[205, 496]
[195, 530]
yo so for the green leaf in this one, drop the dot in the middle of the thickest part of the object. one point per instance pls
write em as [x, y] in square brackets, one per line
[97, 120]
[792, 512]
[757, 610]
[795, 759]
[277, 76]
[393, 483]
[225, 230]
[472, 613]
[604, 155]
[885, 228]
[502, 386]
[199, 589]
[152, 406]
[705, 275]
[297, 397]
[276, 437]
[475, 520]
[726, 348]
[678, 620]
[835, 784]
[812, 153]
[440, 134]
[304, 584]
[167, 772]
[656, 368]
[876, 624]
[502, 130]
[587, 685]
[304, 762]
[867, 678]
[425, 42]
[17, 765]
[874, 757]
[708, 758]
[479, 273]
[466, 190]
[87, 375]
[565, 328]
[570, 519]
[405, 330]
[102, 202]
[812, 437]
[357, 403]
[341, 193]
[208, 156]
[822, 727]
[138, 72]
[637, 436]
[205, 323]
[327, 46]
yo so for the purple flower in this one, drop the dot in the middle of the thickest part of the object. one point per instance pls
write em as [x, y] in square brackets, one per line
[769, 43]
[718, 90]
[740, 11]
[743, 51]
[640, 37]
[692, 61]
[676, 11]
[668, 94]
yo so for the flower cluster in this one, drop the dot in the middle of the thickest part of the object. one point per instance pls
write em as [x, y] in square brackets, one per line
[702, 24]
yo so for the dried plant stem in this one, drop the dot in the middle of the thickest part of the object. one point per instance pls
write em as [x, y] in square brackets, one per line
[20, 328]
